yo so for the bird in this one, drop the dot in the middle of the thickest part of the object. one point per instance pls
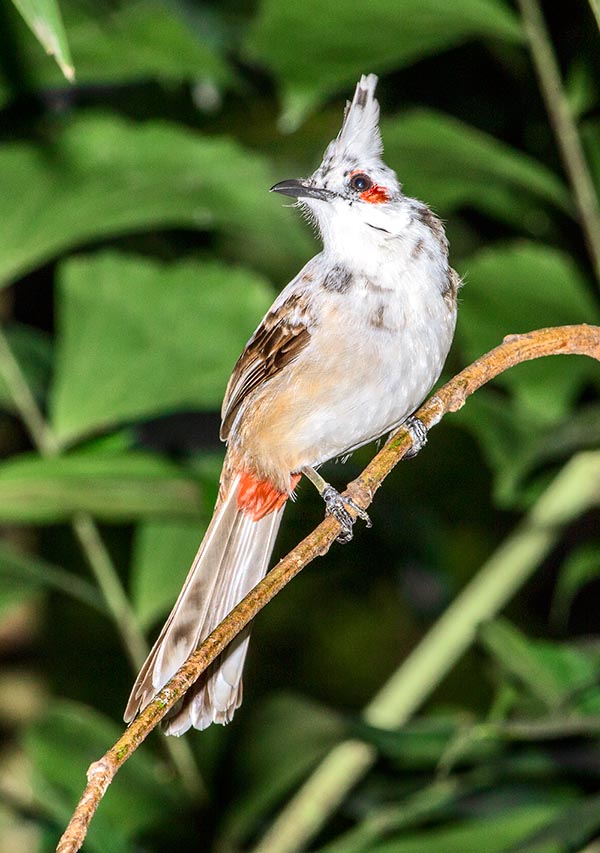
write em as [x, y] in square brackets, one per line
[346, 353]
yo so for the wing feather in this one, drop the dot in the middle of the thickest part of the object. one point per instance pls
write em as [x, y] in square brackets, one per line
[277, 342]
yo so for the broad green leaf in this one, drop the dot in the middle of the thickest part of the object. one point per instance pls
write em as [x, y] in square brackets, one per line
[129, 42]
[580, 566]
[25, 575]
[32, 349]
[518, 441]
[162, 555]
[492, 833]
[44, 19]
[119, 487]
[569, 830]
[163, 550]
[551, 672]
[105, 176]
[518, 287]
[63, 744]
[286, 739]
[314, 48]
[451, 165]
[138, 338]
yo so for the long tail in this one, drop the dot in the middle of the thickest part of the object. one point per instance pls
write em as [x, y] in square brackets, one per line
[232, 558]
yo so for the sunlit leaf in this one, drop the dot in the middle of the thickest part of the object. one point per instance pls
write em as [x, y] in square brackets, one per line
[106, 176]
[44, 19]
[138, 338]
[118, 487]
[314, 48]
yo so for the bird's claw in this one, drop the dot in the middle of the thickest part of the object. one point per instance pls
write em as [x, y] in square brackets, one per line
[336, 504]
[418, 435]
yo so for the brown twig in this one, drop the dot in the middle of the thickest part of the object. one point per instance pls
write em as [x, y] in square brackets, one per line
[515, 349]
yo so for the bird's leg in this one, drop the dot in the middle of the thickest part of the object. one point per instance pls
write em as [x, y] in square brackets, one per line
[336, 504]
[418, 435]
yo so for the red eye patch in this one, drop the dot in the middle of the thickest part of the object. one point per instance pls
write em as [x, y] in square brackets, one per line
[375, 194]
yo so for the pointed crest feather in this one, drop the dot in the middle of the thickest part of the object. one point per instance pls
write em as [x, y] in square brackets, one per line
[360, 129]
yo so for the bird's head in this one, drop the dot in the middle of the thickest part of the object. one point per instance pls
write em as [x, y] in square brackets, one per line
[352, 186]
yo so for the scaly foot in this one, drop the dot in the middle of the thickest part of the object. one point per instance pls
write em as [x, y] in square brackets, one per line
[418, 435]
[336, 505]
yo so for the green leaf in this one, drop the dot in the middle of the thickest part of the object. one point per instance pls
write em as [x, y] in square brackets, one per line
[286, 739]
[62, 745]
[518, 442]
[453, 165]
[551, 672]
[420, 744]
[581, 87]
[163, 550]
[313, 49]
[580, 566]
[492, 833]
[44, 20]
[106, 176]
[518, 287]
[129, 42]
[140, 39]
[119, 487]
[162, 554]
[428, 804]
[569, 830]
[24, 575]
[32, 349]
[175, 332]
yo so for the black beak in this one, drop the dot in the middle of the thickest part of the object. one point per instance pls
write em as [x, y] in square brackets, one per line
[301, 189]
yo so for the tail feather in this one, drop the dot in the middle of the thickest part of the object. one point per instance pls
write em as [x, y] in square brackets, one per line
[232, 558]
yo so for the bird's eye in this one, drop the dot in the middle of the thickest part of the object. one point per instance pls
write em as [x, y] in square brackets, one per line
[361, 182]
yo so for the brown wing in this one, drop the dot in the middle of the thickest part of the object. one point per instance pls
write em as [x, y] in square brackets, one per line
[279, 339]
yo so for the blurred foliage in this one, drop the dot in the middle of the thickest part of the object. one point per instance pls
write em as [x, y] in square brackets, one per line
[139, 248]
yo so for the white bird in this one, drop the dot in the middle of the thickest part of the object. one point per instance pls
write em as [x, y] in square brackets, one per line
[347, 352]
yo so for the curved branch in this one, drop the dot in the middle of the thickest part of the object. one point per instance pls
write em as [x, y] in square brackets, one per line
[515, 349]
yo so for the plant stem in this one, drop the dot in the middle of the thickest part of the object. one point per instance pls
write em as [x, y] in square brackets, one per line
[24, 401]
[595, 5]
[562, 121]
[112, 589]
[88, 535]
[575, 489]
[43, 574]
